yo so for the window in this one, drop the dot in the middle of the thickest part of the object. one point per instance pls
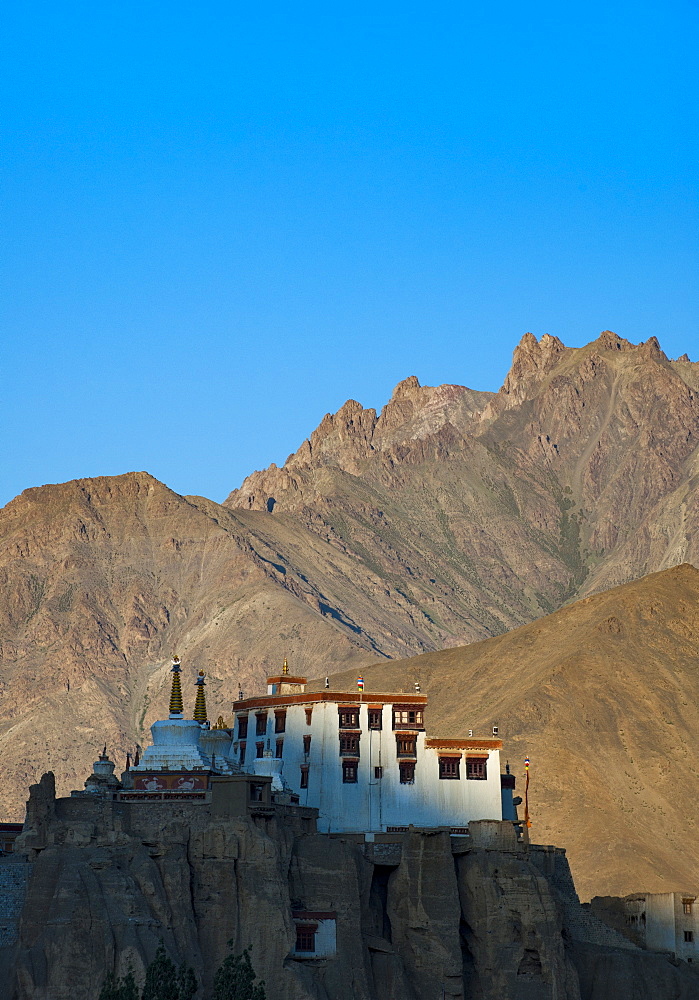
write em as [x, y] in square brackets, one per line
[407, 717]
[375, 715]
[687, 904]
[349, 772]
[407, 772]
[260, 749]
[279, 749]
[349, 744]
[406, 746]
[449, 767]
[476, 768]
[304, 777]
[261, 724]
[349, 718]
[688, 937]
[309, 715]
[378, 773]
[256, 792]
[306, 937]
[307, 744]
[242, 727]
[279, 722]
[242, 753]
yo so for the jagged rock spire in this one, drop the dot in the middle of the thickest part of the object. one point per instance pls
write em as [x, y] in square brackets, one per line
[176, 706]
[200, 704]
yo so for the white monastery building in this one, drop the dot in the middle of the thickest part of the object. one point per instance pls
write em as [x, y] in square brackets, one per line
[364, 761]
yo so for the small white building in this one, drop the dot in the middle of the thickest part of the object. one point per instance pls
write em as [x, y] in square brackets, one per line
[364, 761]
[660, 921]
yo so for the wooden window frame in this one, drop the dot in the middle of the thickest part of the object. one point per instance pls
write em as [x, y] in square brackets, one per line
[477, 768]
[242, 727]
[280, 721]
[348, 717]
[406, 746]
[307, 743]
[261, 724]
[406, 770]
[450, 768]
[349, 744]
[259, 749]
[408, 717]
[304, 776]
[309, 715]
[279, 749]
[350, 772]
[375, 718]
[306, 935]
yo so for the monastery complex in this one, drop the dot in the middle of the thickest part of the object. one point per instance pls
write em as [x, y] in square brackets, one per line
[363, 762]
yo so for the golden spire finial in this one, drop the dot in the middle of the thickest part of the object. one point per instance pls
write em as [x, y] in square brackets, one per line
[285, 667]
[200, 704]
[176, 706]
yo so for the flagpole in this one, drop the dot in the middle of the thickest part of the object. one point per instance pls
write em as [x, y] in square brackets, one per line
[527, 821]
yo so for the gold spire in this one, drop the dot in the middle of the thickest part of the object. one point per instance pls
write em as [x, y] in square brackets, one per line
[285, 667]
[176, 707]
[200, 704]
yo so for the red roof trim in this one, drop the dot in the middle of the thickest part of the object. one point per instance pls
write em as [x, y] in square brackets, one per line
[270, 700]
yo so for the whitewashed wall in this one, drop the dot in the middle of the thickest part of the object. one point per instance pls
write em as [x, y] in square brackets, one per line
[373, 804]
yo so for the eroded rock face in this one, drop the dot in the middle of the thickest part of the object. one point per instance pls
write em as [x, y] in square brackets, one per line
[426, 911]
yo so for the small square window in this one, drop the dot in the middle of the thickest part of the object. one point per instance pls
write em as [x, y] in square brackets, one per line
[449, 767]
[349, 718]
[406, 746]
[476, 768]
[349, 744]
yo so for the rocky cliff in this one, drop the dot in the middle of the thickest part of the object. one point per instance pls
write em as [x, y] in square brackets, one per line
[482, 917]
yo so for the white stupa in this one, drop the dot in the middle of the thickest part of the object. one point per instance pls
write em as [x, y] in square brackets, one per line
[176, 745]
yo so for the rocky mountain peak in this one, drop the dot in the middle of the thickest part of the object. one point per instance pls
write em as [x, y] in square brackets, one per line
[406, 387]
[531, 361]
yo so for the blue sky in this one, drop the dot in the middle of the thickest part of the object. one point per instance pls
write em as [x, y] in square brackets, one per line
[220, 223]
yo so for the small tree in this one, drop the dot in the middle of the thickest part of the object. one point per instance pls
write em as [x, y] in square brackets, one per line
[186, 982]
[128, 988]
[161, 978]
[110, 988]
[119, 989]
[234, 980]
[163, 982]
